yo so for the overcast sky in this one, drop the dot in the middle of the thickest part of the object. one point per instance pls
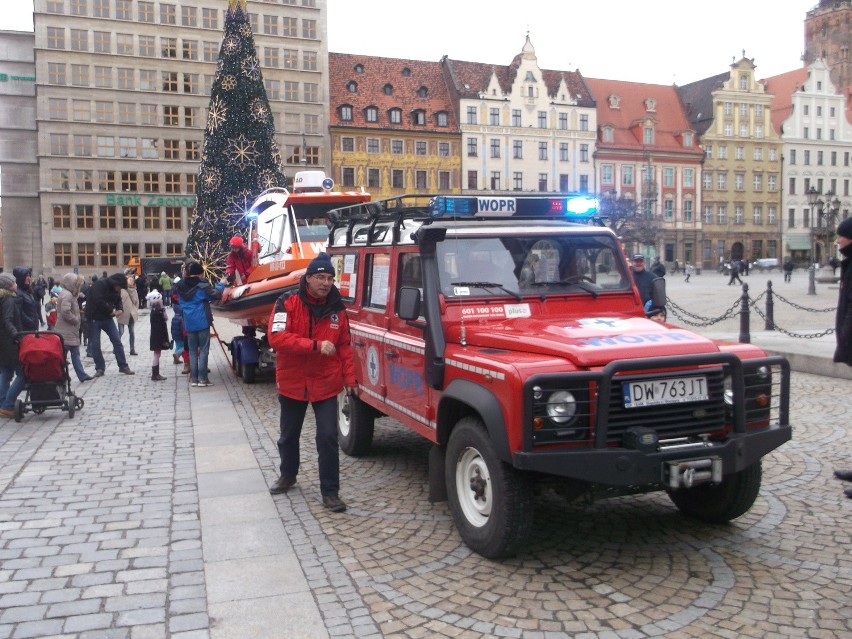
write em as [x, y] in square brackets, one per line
[656, 41]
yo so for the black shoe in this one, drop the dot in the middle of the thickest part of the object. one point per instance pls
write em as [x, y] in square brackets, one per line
[133, 353]
[126, 371]
[87, 378]
[98, 374]
[845, 475]
[282, 485]
[333, 503]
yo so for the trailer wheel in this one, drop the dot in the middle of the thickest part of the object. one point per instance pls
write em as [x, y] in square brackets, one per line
[491, 503]
[355, 425]
[722, 502]
[19, 410]
[248, 373]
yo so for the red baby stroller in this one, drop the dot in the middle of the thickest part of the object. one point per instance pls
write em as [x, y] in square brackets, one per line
[47, 383]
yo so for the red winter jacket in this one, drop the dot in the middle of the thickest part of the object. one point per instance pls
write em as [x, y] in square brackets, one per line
[297, 326]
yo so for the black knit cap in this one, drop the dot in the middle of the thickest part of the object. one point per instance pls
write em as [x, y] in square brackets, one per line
[320, 264]
[844, 229]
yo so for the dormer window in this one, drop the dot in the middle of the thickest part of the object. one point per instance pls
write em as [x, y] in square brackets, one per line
[418, 117]
[359, 68]
[530, 77]
[614, 101]
[371, 114]
[442, 119]
[406, 72]
[345, 112]
[687, 139]
[422, 92]
[352, 86]
[387, 89]
[650, 105]
[648, 135]
[608, 134]
[395, 116]
[744, 81]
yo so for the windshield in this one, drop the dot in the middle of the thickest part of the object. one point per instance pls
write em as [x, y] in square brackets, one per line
[519, 266]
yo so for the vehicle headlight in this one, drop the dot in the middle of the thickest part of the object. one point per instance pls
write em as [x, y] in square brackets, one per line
[561, 407]
[729, 391]
[762, 372]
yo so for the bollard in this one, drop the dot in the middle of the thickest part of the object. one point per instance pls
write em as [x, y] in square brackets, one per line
[770, 308]
[745, 338]
[811, 279]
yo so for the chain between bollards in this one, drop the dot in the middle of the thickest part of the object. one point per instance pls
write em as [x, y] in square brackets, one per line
[745, 338]
[770, 308]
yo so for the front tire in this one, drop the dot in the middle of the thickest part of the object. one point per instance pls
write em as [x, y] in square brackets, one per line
[491, 503]
[719, 504]
[248, 373]
[355, 425]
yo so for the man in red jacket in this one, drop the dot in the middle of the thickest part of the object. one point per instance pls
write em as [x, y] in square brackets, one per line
[239, 262]
[309, 332]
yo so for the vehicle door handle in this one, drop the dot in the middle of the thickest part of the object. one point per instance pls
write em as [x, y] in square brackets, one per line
[391, 354]
[359, 344]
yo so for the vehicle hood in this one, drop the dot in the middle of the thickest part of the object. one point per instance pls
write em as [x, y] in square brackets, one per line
[587, 342]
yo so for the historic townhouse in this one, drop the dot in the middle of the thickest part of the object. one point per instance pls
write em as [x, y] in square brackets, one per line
[122, 92]
[741, 180]
[393, 128]
[523, 128]
[648, 154]
[810, 116]
[828, 37]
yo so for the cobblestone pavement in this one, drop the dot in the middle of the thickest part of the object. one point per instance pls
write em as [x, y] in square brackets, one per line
[100, 533]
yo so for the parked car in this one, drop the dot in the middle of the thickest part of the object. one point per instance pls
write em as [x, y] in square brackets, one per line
[765, 264]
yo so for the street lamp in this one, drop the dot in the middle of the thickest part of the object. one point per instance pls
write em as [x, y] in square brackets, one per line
[813, 198]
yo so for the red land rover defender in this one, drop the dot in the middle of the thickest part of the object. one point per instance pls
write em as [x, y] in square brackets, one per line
[514, 339]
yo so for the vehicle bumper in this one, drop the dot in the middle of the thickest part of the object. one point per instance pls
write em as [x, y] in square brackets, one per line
[628, 467]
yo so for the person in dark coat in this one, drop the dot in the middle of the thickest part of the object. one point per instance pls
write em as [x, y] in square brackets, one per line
[735, 272]
[195, 295]
[787, 267]
[10, 326]
[30, 309]
[843, 322]
[102, 305]
[141, 289]
[642, 277]
[159, 339]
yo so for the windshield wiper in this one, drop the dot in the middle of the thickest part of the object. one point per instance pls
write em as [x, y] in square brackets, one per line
[581, 284]
[514, 294]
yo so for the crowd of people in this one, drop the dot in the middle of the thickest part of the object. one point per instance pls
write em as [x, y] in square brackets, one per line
[80, 310]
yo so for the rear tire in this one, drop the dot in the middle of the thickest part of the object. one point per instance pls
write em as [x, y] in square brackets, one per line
[19, 410]
[356, 423]
[723, 502]
[72, 404]
[491, 502]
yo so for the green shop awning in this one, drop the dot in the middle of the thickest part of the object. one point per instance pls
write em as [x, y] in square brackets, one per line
[799, 243]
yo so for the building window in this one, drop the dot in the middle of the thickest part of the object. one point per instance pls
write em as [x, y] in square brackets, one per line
[518, 181]
[79, 40]
[129, 181]
[83, 145]
[171, 149]
[495, 148]
[471, 115]
[59, 179]
[518, 149]
[147, 46]
[62, 254]
[174, 218]
[542, 119]
[564, 152]
[86, 254]
[168, 47]
[150, 182]
[57, 109]
[190, 49]
[373, 145]
[85, 216]
[563, 122]
[494, 117]
[668, 210]
[172, 182]
[584, 153]
[309, 29]
[472, 180]
[721, 181]
[648, 135]
[171, 115]
[371, 114]
[102, 42]
[606, 174]
[420, 148]
[443, 180]
[739, 181]
[130, 218]
[420, 180]
[397, 179]
[374, 179]
[689, 178]
[106, 146]
[627, 175]
[103, 77]
[757, 215]
[174, 249]
[107, 218]
[542, 150]
[722, 215]
[210, 18]
[418, 117]
[516, 117]
[55, 73]
[495, 181]
[758, 182]
[151, 218]
[109, 254]
[542, 182]
[472, 147]
[167, 14]
[310, 60]
[687, 210]
[62, 216]
[668, 177]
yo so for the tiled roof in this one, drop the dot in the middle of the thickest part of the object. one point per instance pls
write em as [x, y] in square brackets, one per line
[782, 88]
[697, 99]
[406, 77]
[468, 79]
[667, 112]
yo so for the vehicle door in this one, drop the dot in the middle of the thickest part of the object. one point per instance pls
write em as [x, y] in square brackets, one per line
[404, 350]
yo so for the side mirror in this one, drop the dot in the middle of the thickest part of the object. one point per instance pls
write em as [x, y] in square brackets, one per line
[658, 292]
[408, 303]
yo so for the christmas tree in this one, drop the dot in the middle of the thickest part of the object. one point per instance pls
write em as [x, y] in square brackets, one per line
[240, 158]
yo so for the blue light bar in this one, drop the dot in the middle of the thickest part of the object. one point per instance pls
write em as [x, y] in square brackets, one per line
[579, 207]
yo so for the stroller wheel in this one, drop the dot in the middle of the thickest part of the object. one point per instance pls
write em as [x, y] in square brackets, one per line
[19, 410]
[78, 403]
[72, 404]
[38, 410]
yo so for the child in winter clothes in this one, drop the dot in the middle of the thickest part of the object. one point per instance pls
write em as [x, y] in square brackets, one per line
[159, 332]
[179, 335]
[50, 313]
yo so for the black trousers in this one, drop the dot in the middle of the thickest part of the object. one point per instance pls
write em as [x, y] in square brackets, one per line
[292, 417]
